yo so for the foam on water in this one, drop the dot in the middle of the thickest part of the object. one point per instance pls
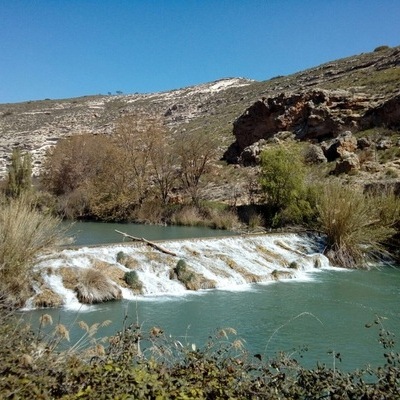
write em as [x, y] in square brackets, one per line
[231, 263]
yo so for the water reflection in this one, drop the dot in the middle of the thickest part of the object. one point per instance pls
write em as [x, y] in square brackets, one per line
[92, 233]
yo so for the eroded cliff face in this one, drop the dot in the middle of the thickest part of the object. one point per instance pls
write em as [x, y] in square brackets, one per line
[315, 116]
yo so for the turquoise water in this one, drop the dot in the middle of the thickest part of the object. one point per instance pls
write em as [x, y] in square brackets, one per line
[326, 313]
[92, 233]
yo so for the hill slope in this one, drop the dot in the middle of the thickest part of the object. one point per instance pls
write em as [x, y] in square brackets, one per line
[373, 78]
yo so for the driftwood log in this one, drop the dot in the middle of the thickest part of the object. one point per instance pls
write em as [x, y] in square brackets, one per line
[152, 244]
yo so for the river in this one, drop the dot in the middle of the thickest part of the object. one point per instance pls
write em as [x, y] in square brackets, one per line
[92, 233]
[322, 311]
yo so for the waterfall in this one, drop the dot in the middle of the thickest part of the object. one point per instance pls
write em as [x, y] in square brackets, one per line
[228, 263]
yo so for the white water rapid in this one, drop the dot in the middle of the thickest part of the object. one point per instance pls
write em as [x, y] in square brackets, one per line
[229, 263]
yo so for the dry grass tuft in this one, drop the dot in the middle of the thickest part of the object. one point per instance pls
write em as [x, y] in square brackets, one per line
[222, 219]
[110, 270]
[188, 216]
[70, 277]
[356, 225]
[24, 233]
[95, 287]
[47, 298]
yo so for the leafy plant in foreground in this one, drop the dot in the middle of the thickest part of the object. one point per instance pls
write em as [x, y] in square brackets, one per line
[150, 364]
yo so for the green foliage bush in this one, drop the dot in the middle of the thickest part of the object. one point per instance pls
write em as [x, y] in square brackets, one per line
[181, 267]
[381, 48]
[190, 279]
[19, 180]
[282, 179]
[184, 275]
[132, 280]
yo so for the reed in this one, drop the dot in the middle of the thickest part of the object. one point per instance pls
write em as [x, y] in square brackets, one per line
[95, 287]
[24, 234]
[356, 225]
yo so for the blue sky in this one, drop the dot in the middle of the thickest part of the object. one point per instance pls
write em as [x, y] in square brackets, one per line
[70, 48]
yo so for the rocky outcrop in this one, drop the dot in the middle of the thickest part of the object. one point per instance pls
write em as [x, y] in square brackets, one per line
[348, 163]
[316, 116]
[345, 143]
[386, 114]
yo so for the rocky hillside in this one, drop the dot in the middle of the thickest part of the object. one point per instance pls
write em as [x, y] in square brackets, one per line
[355, 94]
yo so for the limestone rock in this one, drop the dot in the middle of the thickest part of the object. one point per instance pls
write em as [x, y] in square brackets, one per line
[343, 144]
[386, 114]
[364, 143]
[315, 155]
[348, 163]
[314, 115]
[384, 144]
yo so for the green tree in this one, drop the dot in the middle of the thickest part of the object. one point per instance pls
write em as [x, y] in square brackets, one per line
[282, 180]
[19, 179]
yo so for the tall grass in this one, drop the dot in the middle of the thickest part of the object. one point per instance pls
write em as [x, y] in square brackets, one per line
[356, 224]
[24, 233]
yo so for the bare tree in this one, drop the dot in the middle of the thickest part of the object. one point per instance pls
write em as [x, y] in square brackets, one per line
[195, 150]
[163, 162]
[134, 135]
[150, 156]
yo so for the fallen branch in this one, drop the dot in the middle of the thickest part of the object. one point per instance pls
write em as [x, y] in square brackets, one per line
[156, 246]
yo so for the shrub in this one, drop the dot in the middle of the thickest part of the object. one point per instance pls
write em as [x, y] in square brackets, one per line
[24, 233]
[126, 260]
[222, 219]
[188, 216]
[294, 265]
[190, 279]
[19, 178]
[120, 257]
[95, 287]
[356, 225]
[381, 48]
[132, 280]
[283, 182]
[255, 220]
